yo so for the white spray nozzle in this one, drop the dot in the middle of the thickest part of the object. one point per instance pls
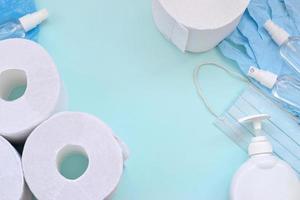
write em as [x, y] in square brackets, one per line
[31, 20]
[278, 34]
[266, 78]
[259, 144]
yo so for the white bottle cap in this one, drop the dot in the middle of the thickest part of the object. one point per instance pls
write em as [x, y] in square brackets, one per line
[259, 144]
[30, 21]
[266, 78]
[278, 34]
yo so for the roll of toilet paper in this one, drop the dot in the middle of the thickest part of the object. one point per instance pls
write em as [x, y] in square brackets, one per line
[61, 135]
[197, 25]
[12, 182]
[25, 64]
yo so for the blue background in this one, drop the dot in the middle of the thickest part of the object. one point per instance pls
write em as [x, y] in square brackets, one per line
[116, 65]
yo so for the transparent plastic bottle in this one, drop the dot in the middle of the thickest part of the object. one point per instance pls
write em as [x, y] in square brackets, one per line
[284, 88]
[18, 28]
[289, 45]
[287, 89]
[290, 51]
[12, 29]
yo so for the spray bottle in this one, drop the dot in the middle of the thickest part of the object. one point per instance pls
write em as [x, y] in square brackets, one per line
[18, 28]
[289, 45]
[284, 88]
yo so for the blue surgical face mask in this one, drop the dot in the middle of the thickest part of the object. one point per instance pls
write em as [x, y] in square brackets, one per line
[282, 129]
[293, 8]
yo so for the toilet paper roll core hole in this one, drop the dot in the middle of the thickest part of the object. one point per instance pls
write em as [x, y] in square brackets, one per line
[72, 161]
[13, 84]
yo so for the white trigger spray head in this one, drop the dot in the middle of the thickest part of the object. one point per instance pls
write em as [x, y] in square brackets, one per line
[259, 144]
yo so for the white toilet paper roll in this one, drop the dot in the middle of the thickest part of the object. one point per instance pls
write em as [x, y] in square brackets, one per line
[197, 25]
[26, 63]
[12, 182]
[61, 135]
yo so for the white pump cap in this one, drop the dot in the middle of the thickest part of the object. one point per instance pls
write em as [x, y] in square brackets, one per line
[30, 21]
[266, 78]
[278, 34]
[259, 144]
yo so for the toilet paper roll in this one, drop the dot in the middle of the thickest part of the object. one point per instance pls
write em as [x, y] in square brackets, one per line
[12, 182]
[197, 25]
[61, 135]
[26, 63]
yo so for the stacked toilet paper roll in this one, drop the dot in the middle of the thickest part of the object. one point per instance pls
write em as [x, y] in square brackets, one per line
[12, 183]
[26, 63]
[50, 137]
[197, 25]
[61, 135]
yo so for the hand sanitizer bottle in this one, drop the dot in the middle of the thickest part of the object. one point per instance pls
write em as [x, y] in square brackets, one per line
[289, 46]
[284, 88]
[19, 27]
[264, 176]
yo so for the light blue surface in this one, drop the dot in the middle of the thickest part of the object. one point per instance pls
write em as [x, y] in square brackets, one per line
[116, 65]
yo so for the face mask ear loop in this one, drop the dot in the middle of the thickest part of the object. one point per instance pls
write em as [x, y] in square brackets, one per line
[198, 88]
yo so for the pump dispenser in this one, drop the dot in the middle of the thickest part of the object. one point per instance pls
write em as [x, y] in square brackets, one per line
[264, 176]
[259, 143]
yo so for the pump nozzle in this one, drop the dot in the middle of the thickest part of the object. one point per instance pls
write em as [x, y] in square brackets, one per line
[256, 120]
[259, 144]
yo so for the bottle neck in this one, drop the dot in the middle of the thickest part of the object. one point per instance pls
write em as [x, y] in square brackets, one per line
[260, 146]
[261, 155]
